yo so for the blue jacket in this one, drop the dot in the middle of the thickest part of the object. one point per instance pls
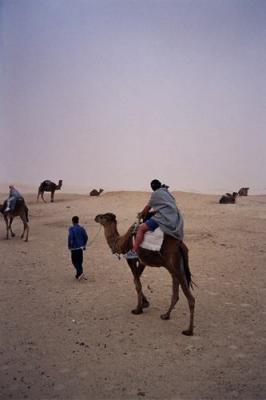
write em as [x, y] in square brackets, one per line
[77, 237]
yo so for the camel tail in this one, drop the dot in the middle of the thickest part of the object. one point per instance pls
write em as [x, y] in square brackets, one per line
[184, 252]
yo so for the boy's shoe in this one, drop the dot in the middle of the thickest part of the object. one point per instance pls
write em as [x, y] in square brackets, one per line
[82, 276]
[131, 255]
[7, 209]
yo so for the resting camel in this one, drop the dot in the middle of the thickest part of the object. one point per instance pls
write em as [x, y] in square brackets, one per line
[173, 256]
[21, 210]
[228, 198]
[49, 186]
[243, 191]
[95, 192]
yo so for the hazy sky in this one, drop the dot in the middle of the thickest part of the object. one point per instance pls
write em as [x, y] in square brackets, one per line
[115, 93]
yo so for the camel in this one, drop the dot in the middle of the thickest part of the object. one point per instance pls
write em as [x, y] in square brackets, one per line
[95, 192]
[21, 210]
[173, 256]
[49, 186]
[228, 198]
[243, 191]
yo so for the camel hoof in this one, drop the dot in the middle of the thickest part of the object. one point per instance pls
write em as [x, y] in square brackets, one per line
[145, 304]
[165, 317]
[137, 311]
[187, 332]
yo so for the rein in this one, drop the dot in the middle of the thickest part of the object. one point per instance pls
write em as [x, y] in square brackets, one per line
[133, 233]
[97, 233]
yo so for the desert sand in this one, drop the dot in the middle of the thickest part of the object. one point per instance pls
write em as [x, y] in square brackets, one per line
[64, 339]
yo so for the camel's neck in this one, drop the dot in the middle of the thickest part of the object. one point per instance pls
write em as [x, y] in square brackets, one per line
[118, 244]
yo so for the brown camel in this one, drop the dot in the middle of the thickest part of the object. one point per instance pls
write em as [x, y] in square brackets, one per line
[173, 256]
[228, 198]
[243, 191]
[21, 210]
[49, 186]
[95, 192]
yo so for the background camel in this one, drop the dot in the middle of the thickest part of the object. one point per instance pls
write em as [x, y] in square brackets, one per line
[49, 186]
[95, 192]
[173, 256]
[228, 198]
[243, 191]
[21, 210]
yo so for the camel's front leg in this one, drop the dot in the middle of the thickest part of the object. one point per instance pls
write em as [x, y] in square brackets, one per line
[137, 269]
[43, 197]
[7, 228]
[138, 286]
[52, 197]
[10, 227]
[175, 297]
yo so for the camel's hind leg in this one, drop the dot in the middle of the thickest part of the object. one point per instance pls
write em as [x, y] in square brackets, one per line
[191, 303]
[27, 232]
[175, 297]
[25, 229]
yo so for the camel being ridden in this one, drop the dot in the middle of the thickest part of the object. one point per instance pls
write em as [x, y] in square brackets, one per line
[21, 210]
[49, 186]
[173, 256]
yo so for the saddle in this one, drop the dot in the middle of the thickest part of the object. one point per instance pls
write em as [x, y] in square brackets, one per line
[153, 240]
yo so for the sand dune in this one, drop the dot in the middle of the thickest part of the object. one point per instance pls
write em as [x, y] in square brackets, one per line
[63, 339]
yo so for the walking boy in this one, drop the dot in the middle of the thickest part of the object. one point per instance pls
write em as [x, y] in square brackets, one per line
[77, 240]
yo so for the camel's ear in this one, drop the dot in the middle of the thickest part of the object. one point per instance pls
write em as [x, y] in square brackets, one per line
[111, 216]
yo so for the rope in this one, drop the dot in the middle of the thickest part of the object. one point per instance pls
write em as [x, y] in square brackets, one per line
[91, 241]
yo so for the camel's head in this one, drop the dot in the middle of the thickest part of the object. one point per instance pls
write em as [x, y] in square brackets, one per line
[235, 194]
[105, 219]
[100, 191]
[60, 183]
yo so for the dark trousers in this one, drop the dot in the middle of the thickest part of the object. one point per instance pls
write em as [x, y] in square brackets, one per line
[77, 260]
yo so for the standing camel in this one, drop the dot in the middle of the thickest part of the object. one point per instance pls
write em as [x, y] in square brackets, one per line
[173, 256]
[95, 192]
[21, 210]
[243, 191]
[49, 186]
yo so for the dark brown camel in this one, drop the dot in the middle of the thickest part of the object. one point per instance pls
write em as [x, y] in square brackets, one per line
[243, 191]
[95, 192]
[173, 256]
[228, 198]
[49, 186]
[21, 210]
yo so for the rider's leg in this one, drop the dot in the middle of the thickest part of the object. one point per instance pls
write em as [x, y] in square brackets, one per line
[142, 229]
